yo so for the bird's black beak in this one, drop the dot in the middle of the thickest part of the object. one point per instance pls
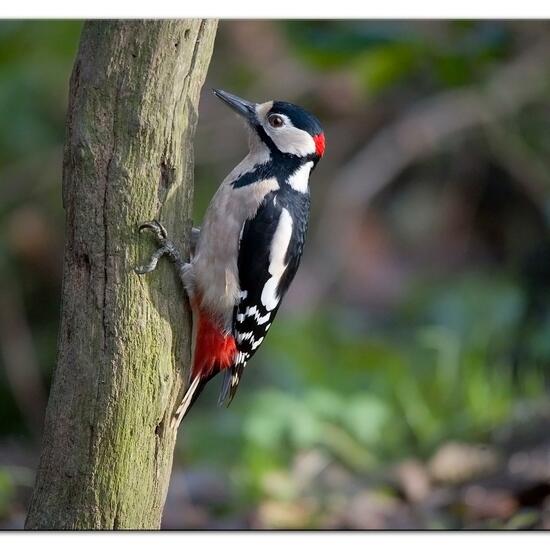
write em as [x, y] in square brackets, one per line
[244, 108]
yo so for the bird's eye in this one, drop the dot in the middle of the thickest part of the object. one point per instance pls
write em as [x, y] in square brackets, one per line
[276, 121]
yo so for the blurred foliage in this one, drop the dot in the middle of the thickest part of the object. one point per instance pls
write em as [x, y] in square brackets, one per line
[385, 54]
[7, 490]
[34, 63]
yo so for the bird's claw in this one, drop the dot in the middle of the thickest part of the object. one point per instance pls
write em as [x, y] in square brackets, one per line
[166, 247]
[156, 227]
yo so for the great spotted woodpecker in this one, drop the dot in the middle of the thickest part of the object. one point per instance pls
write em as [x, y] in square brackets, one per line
[250, 243]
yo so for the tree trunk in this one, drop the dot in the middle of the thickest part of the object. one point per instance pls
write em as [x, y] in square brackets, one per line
[124, 341]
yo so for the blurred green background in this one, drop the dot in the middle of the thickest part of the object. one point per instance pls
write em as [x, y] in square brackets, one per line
[405, 382]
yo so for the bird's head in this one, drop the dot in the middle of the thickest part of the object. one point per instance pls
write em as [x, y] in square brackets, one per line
[284, 128]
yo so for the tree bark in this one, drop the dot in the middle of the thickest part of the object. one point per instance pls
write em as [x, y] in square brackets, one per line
[124, 341]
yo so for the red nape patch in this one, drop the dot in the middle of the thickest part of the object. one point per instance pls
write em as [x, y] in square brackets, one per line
[213, 349]
[319, 140]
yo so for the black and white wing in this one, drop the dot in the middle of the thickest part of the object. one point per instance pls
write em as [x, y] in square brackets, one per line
[270, 250]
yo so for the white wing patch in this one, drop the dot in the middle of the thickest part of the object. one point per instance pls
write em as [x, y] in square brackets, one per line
[241, 358]
[253, 312]
[277, 264]
[269, 293]
[243, 336]
[264, 319]
[299, 179]
[257, 343]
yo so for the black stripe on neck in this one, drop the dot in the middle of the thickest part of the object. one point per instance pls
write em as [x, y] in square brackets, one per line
[280, 166]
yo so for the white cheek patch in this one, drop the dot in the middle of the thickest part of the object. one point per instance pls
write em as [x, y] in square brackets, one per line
[277, 265]
[299, 179]
[291, 140]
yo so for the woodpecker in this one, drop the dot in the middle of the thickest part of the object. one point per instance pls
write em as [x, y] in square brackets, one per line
[249, 246]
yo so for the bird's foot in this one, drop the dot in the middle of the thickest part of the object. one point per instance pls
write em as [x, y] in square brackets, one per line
[166, 248]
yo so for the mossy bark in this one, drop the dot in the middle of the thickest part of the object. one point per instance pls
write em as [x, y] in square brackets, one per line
[124, 341]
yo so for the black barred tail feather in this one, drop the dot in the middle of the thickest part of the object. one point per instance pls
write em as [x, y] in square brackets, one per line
[231, 379]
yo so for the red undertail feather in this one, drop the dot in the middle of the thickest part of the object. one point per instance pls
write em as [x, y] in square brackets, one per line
[214, 351]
